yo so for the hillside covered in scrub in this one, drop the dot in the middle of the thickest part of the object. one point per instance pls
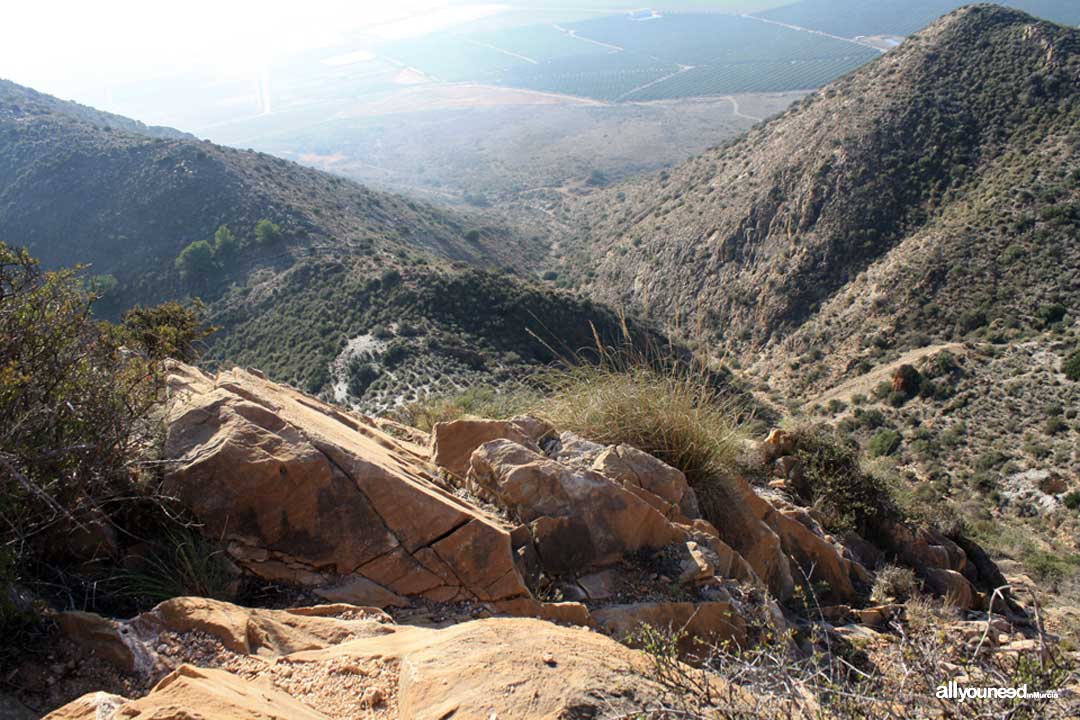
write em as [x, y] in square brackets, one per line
[789, 430]
[368, 297]
[897, 256]
[630, 545]
[927, 195]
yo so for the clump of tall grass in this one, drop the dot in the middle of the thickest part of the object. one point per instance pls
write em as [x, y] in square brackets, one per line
[482, 402]
[669, 405]
[182, 562]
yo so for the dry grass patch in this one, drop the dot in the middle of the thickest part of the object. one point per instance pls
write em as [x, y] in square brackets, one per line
[680, 414]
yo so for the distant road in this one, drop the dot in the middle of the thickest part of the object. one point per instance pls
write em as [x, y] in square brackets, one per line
[813, 32]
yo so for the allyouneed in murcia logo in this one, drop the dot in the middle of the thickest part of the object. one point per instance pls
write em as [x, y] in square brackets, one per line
[954, 691]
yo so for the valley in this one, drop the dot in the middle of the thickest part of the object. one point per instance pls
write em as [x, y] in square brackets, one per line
[706, 360]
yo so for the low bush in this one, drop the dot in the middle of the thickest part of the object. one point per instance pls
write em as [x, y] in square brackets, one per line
[480, 401]
[885, 442]
[1071, 367]
[894, 583]
[76, 414]
[847, 497]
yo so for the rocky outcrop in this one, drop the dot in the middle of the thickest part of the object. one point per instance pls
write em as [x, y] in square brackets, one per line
[330, 664]
[304, 493]
[133, 645]
[502, 513]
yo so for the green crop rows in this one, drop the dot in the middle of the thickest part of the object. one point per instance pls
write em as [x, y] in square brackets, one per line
[677, 55]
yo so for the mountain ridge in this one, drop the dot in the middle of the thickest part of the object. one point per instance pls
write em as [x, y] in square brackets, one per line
[810, 202]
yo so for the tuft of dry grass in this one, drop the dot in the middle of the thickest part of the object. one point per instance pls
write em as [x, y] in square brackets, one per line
[482, 402]
[676, 410]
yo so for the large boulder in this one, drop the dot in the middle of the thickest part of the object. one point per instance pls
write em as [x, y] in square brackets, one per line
[453, 443]
[305, 493]
[499, 667]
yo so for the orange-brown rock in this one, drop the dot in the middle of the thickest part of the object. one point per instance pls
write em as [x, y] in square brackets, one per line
[302, 491]
[778, 443]
[704, 625]
[906, 379]
[531, 486]
[453, 443]
[190, 692]
[633, 468]
[819, 559]
[130, 645]
[952, 586]
[99, 636]
[499, 667]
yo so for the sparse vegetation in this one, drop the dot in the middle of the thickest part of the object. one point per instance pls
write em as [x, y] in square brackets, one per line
[76, 396]
[678, 414]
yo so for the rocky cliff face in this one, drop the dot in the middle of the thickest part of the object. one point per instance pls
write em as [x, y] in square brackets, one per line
[501, 512]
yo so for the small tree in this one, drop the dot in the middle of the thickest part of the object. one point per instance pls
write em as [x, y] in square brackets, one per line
[226, 246]
[196, 261]
[267, 233]
[170, 330]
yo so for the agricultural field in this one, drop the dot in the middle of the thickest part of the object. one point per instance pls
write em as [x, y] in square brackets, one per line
[854, 18]
[748, 78]
[618, 58]
[605, 77]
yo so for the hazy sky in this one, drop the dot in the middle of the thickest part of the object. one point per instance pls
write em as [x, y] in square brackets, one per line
[74, 49]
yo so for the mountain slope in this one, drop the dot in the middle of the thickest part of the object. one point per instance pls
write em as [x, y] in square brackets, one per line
[929, 194]
[80, 185]
[852, 18]
[369, 297]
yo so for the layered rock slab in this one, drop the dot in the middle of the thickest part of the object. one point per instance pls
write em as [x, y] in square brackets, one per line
[498, 667]
[302, 492]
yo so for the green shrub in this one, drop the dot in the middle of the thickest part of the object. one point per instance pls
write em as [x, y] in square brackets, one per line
[1072, 500]
[180, 563]
[267, 233]
[897, 398]
[480, 401]
[226, 246]
[75, 396]
[893, 583]
[1054, 425]
[848, 497]
[885, 442]
[1071, 367]
[196, 261]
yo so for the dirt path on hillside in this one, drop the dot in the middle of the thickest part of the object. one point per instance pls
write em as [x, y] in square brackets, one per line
[865, 384]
